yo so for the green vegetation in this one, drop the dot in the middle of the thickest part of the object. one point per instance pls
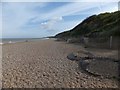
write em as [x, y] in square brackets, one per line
[102, 25]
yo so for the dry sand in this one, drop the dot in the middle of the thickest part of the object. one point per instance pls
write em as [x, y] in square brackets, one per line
[43, 64]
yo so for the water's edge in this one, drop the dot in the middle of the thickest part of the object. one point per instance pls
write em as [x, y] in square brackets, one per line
[16, 40]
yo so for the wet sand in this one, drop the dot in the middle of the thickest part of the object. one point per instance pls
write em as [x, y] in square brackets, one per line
[44, 64]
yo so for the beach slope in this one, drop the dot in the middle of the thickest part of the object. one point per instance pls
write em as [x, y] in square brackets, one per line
[44, 64]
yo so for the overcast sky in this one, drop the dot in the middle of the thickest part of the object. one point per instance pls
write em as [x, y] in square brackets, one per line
[41, 19]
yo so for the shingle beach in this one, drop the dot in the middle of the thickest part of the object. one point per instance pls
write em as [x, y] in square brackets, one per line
[44, 64]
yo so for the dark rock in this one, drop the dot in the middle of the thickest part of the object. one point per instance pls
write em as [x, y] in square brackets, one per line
[72, 56]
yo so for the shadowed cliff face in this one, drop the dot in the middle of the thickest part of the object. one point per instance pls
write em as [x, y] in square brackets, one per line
[102, 25]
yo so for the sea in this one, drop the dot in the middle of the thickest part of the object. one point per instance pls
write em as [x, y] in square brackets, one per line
[16, 40]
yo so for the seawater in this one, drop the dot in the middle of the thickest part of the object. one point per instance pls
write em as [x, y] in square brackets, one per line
[15, 40]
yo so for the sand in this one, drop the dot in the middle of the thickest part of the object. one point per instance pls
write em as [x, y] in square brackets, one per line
[44, 64]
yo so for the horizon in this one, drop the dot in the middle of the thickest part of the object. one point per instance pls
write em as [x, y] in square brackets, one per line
[43, 19]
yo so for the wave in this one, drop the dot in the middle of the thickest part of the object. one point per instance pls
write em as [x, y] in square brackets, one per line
[10, 42]
[1, 43]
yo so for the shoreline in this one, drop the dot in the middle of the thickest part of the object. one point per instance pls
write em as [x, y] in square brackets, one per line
[21, 40]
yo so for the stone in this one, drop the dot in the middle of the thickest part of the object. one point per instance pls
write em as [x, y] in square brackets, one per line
[71, 56]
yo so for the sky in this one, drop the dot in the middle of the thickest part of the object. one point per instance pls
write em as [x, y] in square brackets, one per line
[23, 19]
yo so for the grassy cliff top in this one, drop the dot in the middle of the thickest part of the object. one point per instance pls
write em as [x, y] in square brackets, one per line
[102, 25]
